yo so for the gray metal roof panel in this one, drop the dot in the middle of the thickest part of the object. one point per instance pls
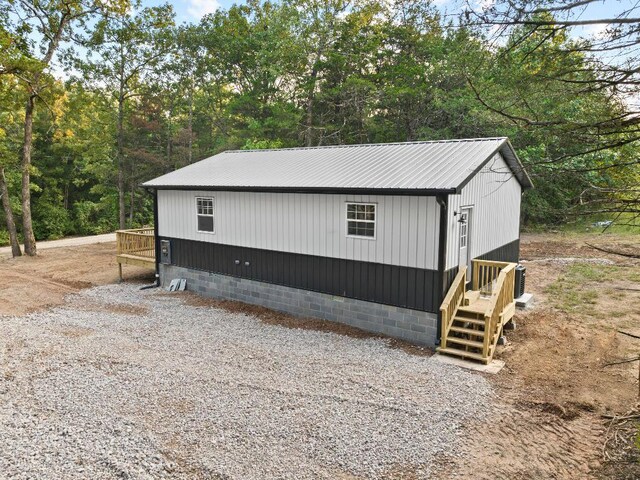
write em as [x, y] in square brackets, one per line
[438, 165]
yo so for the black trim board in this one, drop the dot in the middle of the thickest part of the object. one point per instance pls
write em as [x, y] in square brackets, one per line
[443, 201]
[406, 287]
[418, 192]
[156, 235]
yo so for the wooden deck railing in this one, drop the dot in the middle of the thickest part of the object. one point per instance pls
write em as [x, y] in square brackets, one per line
[139, 242]
[451, 303]
[485, 275]
[136, 247]
[501, 298]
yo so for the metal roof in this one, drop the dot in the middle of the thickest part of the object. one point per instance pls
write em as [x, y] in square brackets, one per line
[409, 168]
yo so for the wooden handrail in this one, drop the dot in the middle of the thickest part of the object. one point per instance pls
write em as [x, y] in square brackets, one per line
[139, 242]
[501, 297]
[452, 301]
[141, 231]
[485, 275]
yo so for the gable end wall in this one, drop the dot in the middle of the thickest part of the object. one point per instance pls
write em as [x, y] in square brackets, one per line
[495, 195]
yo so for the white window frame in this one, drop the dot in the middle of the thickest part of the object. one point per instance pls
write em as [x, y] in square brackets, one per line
[464, 229]
[374, 221]
[213, 214]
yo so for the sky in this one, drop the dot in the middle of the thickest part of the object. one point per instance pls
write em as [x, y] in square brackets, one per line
[191, 11]
[194, 10]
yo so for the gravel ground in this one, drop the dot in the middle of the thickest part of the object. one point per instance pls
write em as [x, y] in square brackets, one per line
[570, 260]
[123, 383]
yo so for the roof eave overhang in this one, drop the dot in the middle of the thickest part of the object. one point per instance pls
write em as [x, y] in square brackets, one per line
[416, 192]
[512, 160]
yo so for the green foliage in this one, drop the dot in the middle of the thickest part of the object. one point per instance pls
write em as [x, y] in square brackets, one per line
[255, 144]
[93, 218]
[292, 73]
[50, 220]
[4, 238]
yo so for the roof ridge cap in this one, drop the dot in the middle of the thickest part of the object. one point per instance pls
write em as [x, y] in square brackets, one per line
[362, 145]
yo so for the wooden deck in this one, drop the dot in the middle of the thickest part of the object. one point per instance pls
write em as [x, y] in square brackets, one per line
[136, 247]
[472, 320]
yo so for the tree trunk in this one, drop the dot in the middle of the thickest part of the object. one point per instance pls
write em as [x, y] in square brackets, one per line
[190, 151]
[121, 186]
[169, 146]
[27, 225]
[8, 213]
[132, 197]
[309, 108]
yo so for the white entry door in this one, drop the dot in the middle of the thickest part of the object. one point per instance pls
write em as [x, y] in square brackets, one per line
[464, 222]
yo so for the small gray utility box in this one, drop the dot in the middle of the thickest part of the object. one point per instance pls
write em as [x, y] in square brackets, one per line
[165, 252]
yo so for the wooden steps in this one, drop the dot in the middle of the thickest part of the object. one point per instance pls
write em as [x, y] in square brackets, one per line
[462, 353]
[472, 320]
[470, 297]
[467, 331]
[464, 341]
[478, 306]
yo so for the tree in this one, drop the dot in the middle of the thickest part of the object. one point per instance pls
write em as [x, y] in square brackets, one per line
[250, 50]
[151, 97]
[51, 22]
[124, 51]
[8, 211]
[576, 94]
[12, 57]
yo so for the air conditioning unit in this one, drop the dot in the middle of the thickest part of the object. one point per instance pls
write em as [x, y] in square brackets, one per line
[521, 272]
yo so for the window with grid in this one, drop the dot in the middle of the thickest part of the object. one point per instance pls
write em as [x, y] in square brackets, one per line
[204, 211]
[463, 230]
[361, 220]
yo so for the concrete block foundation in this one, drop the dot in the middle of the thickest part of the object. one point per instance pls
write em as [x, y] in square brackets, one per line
[411, 325]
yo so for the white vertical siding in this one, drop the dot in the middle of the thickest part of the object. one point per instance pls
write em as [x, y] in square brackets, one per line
[312, 224]
[495, 194]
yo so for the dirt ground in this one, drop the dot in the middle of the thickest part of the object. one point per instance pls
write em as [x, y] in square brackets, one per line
[30, 284]
[556, 392]
[555, 388]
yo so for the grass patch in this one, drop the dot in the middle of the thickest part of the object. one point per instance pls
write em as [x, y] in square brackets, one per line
[588, 272]
[579, 287]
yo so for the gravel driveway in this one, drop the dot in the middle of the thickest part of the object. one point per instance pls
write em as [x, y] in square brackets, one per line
[123, 383]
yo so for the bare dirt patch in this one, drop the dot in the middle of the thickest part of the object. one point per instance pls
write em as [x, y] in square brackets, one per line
[555, 387]
[76, 332]
[32, 284]
[559, 245]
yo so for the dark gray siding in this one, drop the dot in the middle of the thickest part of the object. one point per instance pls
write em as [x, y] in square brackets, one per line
[374, 282]
[509, 252]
